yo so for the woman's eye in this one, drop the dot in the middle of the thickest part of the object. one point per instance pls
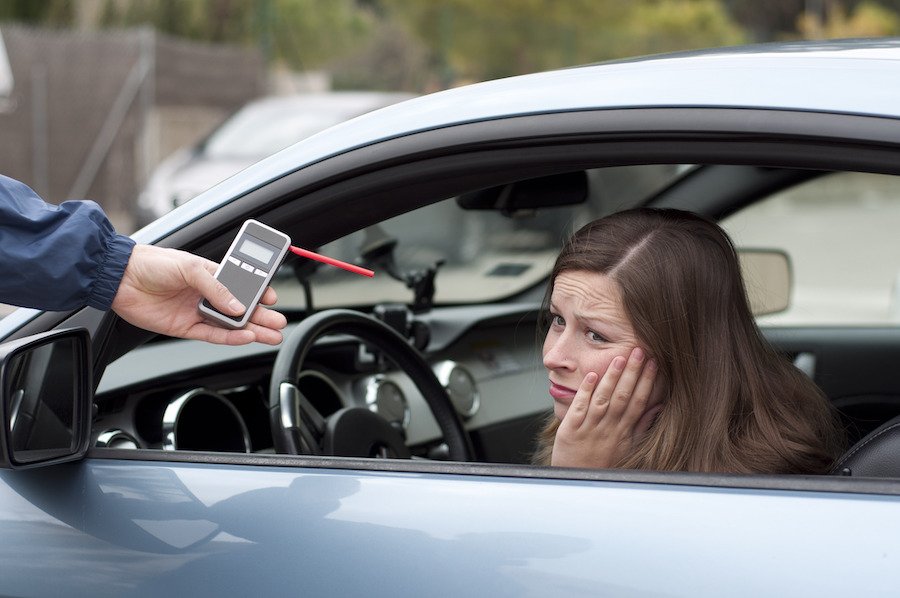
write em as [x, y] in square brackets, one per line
[599, 338]
[557, 320]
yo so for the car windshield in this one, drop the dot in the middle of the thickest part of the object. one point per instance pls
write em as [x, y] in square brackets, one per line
[485, 255]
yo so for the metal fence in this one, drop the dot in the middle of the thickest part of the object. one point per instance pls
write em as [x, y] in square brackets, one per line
[91, 113]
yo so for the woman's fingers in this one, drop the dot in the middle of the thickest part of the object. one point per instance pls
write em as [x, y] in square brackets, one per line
[640, 404]
[624, 394]
[577, 411]
[621, 397]
[608, 414]
[599, 404]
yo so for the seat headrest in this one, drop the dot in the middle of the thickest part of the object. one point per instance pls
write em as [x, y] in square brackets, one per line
[876, 455]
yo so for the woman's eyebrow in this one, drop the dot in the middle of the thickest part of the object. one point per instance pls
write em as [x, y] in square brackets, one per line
[590, 318]
[598, 320]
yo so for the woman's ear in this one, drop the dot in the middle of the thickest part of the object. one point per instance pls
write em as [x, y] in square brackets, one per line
[660, 391]
[646, 422]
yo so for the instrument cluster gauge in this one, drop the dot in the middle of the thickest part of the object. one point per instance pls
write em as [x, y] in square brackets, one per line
[460, 384]
[117, 439]
[386, 398]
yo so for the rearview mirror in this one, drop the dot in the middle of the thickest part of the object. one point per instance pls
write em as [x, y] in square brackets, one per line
[45, 398]
[553, 191]
[767, 278]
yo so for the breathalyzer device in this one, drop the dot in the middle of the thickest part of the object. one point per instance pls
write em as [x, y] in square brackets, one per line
[247, 268]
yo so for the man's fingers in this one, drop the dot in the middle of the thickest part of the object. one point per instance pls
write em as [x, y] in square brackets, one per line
[265, 335]
[199, 275]
[269, 297]
[221, 293]
[268, 318]
[218, 335]
[266, 325]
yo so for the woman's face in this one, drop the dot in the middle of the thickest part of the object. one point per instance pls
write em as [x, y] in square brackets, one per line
[588, 328]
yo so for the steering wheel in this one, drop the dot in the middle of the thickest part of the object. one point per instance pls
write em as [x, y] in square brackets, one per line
[297, 426]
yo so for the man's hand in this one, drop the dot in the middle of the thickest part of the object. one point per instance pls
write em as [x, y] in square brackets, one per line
[160, 291]
[606, 419]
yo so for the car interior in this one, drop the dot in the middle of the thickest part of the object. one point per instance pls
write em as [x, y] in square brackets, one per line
[457, 297]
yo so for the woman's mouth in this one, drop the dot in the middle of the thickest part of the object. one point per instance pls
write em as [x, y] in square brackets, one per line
[561, 393]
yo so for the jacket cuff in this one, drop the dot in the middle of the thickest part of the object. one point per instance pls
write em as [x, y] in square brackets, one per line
[112, 268]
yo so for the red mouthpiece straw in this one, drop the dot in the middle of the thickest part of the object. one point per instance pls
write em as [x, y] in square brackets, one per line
[332, 262]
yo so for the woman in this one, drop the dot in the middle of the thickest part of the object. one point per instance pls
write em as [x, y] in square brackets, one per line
[655, 361]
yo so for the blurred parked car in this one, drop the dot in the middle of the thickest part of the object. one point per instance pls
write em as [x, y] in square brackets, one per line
[257, 130]
[383, 449]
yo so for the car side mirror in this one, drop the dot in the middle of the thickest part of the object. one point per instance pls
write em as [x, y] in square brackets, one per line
[45, 398]
[767, 278]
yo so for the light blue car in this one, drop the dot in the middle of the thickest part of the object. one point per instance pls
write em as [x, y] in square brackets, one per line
[383, 449]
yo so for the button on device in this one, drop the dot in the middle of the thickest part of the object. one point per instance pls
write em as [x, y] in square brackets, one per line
[259, 272]
[247, 267]
[234, 260]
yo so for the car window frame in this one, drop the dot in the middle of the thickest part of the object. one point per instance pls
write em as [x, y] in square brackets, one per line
[430, 161]
[831, 484]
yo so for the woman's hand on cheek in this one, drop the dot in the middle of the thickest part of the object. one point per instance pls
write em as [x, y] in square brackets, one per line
[608, 417]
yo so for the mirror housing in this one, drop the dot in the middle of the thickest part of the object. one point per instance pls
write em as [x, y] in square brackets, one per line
[45, 398]
[553, 191]
[767, 277]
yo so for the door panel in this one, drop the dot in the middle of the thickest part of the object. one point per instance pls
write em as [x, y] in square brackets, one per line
[118, 528]
[857, 368]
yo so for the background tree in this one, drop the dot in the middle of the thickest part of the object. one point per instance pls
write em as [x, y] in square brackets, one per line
[864, 19]
[299, 34]
[475, 40]
[49, 13]
[429, 44]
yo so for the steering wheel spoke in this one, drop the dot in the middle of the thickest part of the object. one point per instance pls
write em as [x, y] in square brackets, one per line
[300, 419]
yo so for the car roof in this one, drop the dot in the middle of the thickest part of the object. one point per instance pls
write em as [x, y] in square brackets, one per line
[822, 76]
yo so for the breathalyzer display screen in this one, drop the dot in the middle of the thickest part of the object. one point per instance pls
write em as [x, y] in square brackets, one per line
[257, 250]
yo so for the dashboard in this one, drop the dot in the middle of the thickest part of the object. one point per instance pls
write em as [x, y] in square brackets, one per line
[191, 396]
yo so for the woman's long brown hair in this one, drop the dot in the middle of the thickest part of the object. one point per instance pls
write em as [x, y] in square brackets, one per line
[733, 403]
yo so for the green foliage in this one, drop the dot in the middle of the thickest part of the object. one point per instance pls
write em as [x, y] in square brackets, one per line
[391, 59]
[866, 19]
[473, 39]
[50, 13]
[302, 34]
[426, 44]
[678, 25]
[203, 20]
[306, 34]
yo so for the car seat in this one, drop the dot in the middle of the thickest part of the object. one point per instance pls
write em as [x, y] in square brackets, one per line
[876, 455]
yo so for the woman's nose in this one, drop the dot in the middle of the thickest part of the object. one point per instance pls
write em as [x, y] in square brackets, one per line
[556, 353]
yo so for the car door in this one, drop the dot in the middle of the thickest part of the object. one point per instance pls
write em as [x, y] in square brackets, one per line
[115, 527]
[144, 522]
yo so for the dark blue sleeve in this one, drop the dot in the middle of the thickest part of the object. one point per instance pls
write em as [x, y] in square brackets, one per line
[57, 257]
